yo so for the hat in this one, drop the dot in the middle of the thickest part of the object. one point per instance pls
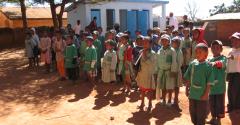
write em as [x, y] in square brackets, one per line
[217, 42]
[112, 31]
[235, 35]
[95, 32]
[165, 36]
[90, 38]
[155, 37]
[110, 42]
[202, 45]
[140, 37]
[120, 34]
[176, 39]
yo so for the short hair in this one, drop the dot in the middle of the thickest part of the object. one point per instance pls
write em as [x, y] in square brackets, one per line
[69, 36]
[202, 46]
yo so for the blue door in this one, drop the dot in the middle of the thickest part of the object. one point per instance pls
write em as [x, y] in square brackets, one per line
[132, 22]
[143, 21]
[96, 13]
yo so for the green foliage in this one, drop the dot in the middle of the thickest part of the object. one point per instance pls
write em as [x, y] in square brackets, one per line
[235, 7]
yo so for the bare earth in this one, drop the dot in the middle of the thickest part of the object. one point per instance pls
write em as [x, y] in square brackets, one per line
[30, 97]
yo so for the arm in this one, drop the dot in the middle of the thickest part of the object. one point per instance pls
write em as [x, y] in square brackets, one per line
[94, 58]
[114, 61]
[174, 65]
[206, 93]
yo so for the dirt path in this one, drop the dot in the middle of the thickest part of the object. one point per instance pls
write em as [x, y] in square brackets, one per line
[34, 98]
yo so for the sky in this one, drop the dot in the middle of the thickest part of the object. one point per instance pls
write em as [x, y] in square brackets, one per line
[178, 7]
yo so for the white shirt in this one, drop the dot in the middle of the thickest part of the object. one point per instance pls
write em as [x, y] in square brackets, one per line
[173, 22]
[233, 65]
[77, 29]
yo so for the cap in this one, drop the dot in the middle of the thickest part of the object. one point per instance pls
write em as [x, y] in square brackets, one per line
[140, 37]
[235, 35]
[112, 31]
[201, 45]
[165, 36]
[120, 34]
[217, 42]
[155, 37]
[95, 32]
[110, 42]
[89, 37]
[176, 39]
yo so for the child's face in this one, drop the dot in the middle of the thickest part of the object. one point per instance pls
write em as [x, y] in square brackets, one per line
[164, 42]
[89, 42]
[108, 46]
[110, 36]
[45, 34]
[201, 55]
[216, 49]
[58, 35]
[175, 34]
[175, 45]
[195, 34]
[146, 44]
[124, 41]
[235, 43]
[186, 33]
[69, 40]
[95, 37]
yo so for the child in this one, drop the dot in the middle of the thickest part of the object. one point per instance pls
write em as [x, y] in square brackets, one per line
[36, 51]
[70, 57]
[155, 44]
[186, 49]
[29, 45]
[217, 92]
[176, 41]
[45, 47]
[199, 77]
[120, 55]
[233, 70]
[109, 63]
[59, 47]
[98, 45]
[166, 68]
[102, 39]
[90, 60]
[128, 59]
[198, 37]
[145, 75]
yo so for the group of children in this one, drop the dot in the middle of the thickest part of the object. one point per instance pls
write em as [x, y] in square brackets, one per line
[157, 65]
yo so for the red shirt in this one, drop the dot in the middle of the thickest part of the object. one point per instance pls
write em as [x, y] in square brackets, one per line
[128, 56]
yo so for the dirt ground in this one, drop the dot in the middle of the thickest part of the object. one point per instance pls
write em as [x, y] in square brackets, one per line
[30, 97]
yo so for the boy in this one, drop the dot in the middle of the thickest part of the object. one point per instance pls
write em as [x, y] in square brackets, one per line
[217, 92]
[109, 63]
[120, 55]
[198, 78]
[29, 44]
[176, 41]
[166, 68]
[186, 49]
[70, 57]
[155, 43]
[233, 70]
[98, 45]
[90, 60]
[59, 47]
[198, 37]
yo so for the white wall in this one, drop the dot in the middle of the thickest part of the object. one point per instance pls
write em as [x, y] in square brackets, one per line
[86, 13]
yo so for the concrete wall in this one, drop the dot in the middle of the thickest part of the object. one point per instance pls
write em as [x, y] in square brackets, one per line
[79, 13]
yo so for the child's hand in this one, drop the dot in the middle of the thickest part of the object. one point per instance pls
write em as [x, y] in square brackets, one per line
[204, 97]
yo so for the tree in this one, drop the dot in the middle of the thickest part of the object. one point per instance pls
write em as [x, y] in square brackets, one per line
[23, 10]
[235, 7]
[192, 9]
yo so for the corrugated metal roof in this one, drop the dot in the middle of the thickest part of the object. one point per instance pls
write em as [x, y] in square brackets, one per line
[32, 13]
[224, 16]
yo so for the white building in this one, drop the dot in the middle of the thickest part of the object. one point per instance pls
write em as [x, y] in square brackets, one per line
[130, 14]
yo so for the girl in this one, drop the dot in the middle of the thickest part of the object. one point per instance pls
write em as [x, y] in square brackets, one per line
[145, 76]
[109, 63]
[45, 46]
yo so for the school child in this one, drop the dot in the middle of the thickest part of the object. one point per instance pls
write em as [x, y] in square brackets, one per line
[109, 63]
[233, 70]
[180, 31]
[70, 58]
[29, 45]
[111, 34]
[90, 60]
[120, 55]
[59, 47]
[198, 78]
[167, 69]
[128, 59]
[155, 43]
[198, 37]
[218, 89]
[145, 76]
[102, 39]
[45, 47]
[176, 41]
[98, 45]
[137, 50]
[83, 45]
[130, 41]
[174, 33]
[36, 51]
[186, 46]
